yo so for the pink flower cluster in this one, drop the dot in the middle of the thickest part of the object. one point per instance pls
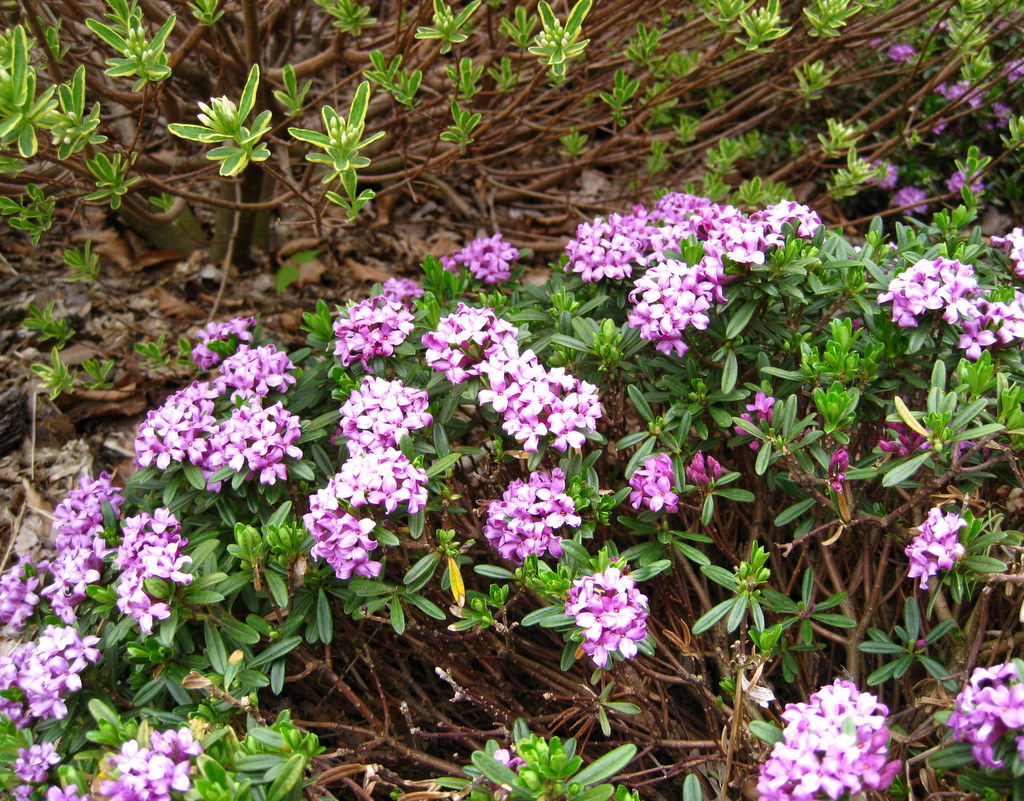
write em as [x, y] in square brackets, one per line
[18, 598]
[911, 196]
[835, 746]
[383, 477]
[950, 286]
[240, 328]
[373, 327]
[380, 412]
[176, 431]
[607, 248]
[466, 340]
[931, 284]
[703, 470]
[527, 518]
[653, 485]
[255, 441]
[41, 672]
[612, 613]
[990, 706]
[838, 464]
[78, 561]
[152, 773]
[32, 766]
[667, 300]
[762, 407]
[937, 545]
[1013, 244]
[400, 290]
[255, 372]
[907, 441]
[538, 402]
[151, 547]
[342, 540]
[672, 295]
[488, 259]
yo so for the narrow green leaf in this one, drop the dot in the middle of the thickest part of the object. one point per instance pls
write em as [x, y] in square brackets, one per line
[606, 766]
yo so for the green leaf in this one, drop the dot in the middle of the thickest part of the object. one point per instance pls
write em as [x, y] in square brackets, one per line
[275, 651]
[547, 616]
[720, 575]
[640, 402]
[493, 769]
[730, 372]
[711, 617]
[766, 732]
[288, 778]
[248, 100]
[108, 35]
[791, 513]
[397, 616]
[239, 631]
[905, 470]
[442, 464]
[691, 787]
[606, 766]
[952, 756]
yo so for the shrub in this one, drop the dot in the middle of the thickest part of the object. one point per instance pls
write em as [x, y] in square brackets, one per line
[431, 497]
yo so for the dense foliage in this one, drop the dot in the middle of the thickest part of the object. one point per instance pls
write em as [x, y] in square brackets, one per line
[679, 484]
[724, 501]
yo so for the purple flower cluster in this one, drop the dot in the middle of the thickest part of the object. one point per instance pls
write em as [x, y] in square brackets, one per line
[383, 477]
[612, 613]
[950, 286]
[889, 180]
[653, 485]
[18, 598]
[33, 763]
[41, 672]
[467, 340]
[930, 284]
[762, 407]
[374, 327]
[400, 290]
[837, 467]
[176, 431]
[668, 299]
[240, 328]
[380, 412]
[255, 372]
[958, 179]
[607, 248]
[907, 441]
[152, 773]
[937, 545]
[703, 470]
[255, 441]
[488, 259]
[1013, 244]
[526, 519]
[79, 544]
[343, 541]
[538, 402]
[901, 52]
[151, 547]
[835, 746]
[990, 706]
[911, 196]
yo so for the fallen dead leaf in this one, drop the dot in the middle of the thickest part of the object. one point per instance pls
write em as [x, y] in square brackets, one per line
[154, 257]
[293, 246]
[363, 272]
[170, 305]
